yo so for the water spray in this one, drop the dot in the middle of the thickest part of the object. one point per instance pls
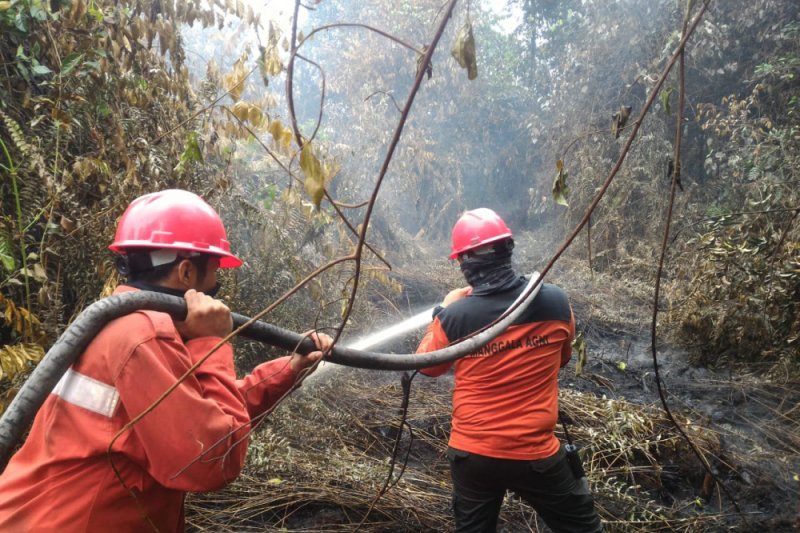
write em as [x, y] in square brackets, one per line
[415, 322]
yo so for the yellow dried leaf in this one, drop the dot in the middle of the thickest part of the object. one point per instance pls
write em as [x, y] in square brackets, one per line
[234, 81]
[126, 43]
[241, 110]
[136, 28]
[464, 50]
[314, 183]
[274, 65]
[275, 129]
[579, 345]
[282, 136]
[286, 139]
[9, 314]
[255, 116]
[560, 189]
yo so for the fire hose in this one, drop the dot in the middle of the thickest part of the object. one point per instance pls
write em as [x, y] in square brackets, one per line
[23, 408]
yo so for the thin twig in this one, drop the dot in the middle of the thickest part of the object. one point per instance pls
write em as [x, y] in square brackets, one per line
[385, 93]
[365, 26]
[659, 273]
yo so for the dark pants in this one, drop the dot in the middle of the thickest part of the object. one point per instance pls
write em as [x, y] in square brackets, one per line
[548, 485]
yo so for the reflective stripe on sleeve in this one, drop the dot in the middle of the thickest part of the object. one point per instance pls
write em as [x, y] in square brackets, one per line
[86, 392]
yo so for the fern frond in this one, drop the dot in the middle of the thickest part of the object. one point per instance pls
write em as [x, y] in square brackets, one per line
[30, 190]
[32, 154]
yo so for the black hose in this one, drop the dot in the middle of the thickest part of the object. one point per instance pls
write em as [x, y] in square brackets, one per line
[23, 408]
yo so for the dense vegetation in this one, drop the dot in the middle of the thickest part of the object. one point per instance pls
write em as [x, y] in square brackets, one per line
[102, 101]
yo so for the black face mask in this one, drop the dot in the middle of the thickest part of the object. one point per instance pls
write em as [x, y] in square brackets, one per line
[490, 272]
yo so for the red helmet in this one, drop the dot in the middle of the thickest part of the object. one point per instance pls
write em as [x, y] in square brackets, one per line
[174, 220]
[476, 228]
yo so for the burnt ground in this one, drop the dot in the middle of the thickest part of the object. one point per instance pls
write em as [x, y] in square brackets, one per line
[324, 455]
[755, 419]
[321, 459]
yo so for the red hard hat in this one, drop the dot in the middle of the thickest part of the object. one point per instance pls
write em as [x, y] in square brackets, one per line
[476, 228]
[174, 220]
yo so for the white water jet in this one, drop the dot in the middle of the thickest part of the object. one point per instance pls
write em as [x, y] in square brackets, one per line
[415, 322]
[422, 318]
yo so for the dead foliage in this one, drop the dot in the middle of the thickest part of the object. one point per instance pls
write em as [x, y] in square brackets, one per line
[319, 462]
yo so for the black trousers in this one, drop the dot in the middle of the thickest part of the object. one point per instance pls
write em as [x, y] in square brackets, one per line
[548, 485]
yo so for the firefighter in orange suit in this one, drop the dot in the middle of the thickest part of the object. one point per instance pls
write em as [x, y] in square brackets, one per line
[63, 478]
[505, 400]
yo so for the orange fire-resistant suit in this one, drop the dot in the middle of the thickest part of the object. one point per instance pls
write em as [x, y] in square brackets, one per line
[63, 478]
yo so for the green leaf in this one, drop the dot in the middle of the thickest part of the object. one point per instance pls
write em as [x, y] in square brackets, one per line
[270, 193]
[665, 96]
[23, 70]
[103, 110]
[315, 179]
[19, 23]
[191, 153]
[96, 12]
[70, 62]
[560, 189]
[6, 258]
[38, 13]
[41, 70]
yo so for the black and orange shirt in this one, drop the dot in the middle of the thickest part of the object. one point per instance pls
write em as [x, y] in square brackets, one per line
[505, 400]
